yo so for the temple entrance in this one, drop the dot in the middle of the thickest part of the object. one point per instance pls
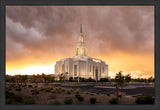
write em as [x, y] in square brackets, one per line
[96, 74]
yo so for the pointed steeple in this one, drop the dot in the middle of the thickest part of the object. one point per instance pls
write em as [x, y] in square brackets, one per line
[81, 49]
[81, 27]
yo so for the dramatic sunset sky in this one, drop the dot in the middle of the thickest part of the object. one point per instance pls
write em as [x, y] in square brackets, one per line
[38, 36]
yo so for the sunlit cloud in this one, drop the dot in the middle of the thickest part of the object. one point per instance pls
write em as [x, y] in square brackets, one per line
[38, 36]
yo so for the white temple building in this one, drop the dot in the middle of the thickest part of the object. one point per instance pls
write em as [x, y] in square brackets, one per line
[81, 65]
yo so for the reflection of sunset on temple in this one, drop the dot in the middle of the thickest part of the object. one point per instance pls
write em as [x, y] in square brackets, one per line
[38, 36]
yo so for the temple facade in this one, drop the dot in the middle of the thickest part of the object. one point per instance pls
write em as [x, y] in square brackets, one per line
[81, 65]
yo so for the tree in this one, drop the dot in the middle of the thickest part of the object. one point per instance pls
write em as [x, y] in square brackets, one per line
[119, 79]
[150, 79]
[61, 76]
[127, 78]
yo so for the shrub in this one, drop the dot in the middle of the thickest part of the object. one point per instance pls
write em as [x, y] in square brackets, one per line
[92, 100]
[149, 100]
[91, 94]
[55, 103]
[35, 92]
[30, 86]
[68, 100]
[41, 89]
[104, 80]
[48, 90]
[18, 89]
[80, 98]
[28, 100]
[14, 100]
[53, 96]
[119, 96]
[77, 95]
[58, 91]
[87, 93]
[9, 94]
[63, 90]
[145, 100]
[113, 101]
[68, 92]
[71, 90]
[78, 90]
[10, 101]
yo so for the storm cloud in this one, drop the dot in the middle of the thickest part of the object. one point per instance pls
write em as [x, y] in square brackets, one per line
[52, 31]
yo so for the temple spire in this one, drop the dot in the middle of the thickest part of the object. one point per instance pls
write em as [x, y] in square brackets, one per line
[81, 49]
[81, 28]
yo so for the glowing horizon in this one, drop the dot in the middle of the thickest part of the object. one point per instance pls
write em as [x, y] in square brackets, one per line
[34, 43]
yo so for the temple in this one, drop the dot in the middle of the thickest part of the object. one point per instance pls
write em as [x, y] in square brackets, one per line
[81, 65]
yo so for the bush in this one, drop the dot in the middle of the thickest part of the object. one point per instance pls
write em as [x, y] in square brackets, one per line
[41, 89]
[80, 98]
[113, 101]
[68, 92]
[68, 100]
[30, 86]
[70, 79]
[18, 89]
[48, 90]
[55, 103]
[104, 79]
[18, 99]
[77, 95]
[14, 100]
[28, 100]
[63, 90]
[35, 92]
[58, 91]
[53, 96]
[9, 94]
[145, 100]
[77, 91]
[119, 96]
[92, 100]
[10, 101]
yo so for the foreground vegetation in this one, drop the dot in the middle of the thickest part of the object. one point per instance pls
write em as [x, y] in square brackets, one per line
[24, 89]
[55, 96]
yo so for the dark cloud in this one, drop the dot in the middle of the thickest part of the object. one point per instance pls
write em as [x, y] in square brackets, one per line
[54, 30]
